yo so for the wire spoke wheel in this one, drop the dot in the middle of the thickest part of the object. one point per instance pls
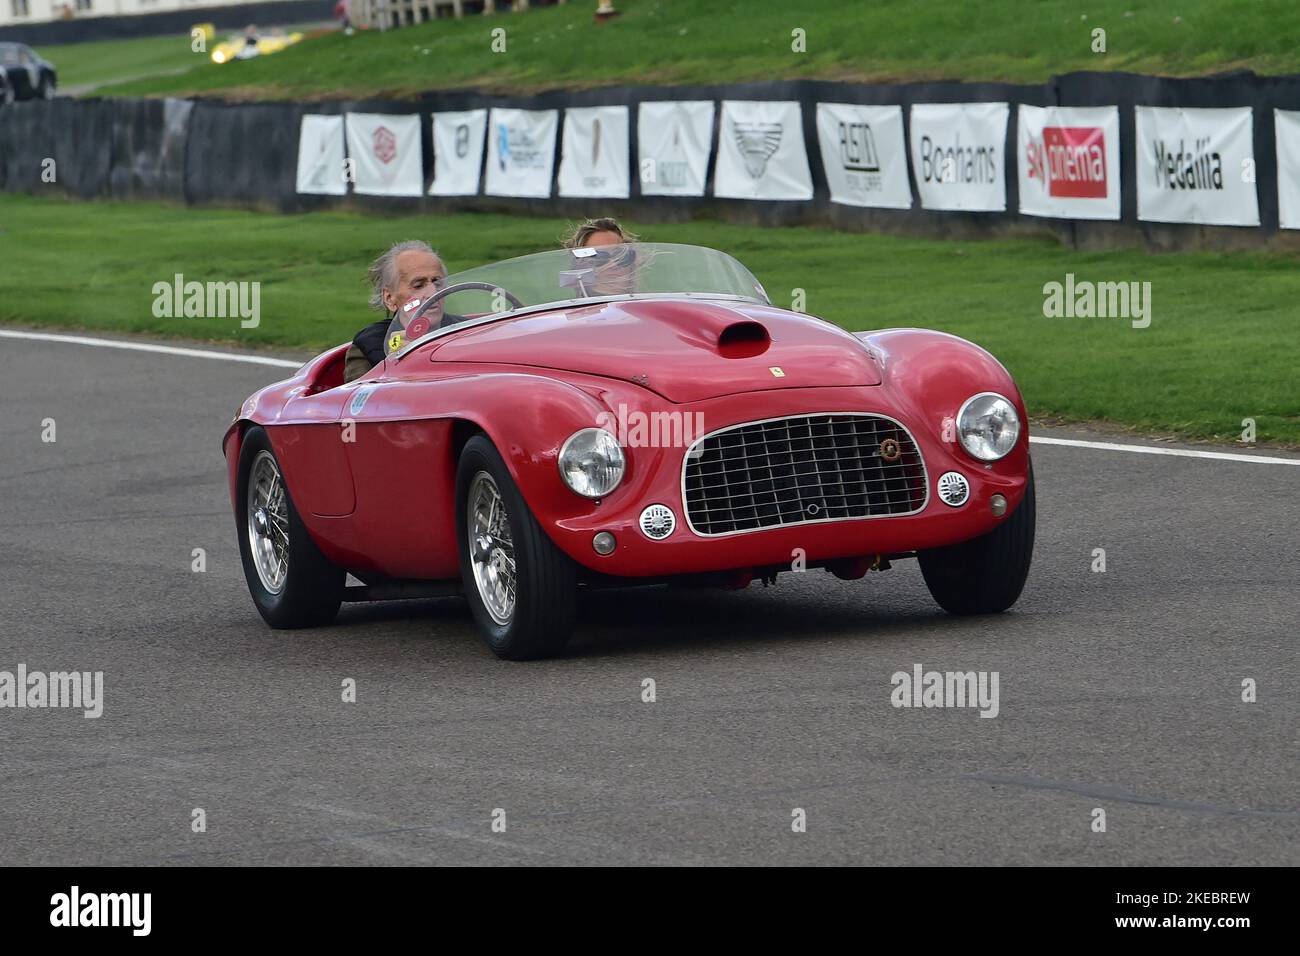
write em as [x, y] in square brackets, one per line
[491, 548]
[268, 523]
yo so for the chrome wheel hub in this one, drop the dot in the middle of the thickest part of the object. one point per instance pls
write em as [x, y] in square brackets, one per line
[491, 549]
[268, 523]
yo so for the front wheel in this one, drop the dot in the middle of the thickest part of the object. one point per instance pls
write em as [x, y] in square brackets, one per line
[984, 575]
[521, 589]
[291, 582]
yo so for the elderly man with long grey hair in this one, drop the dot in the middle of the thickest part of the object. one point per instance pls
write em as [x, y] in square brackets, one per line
[408, 270]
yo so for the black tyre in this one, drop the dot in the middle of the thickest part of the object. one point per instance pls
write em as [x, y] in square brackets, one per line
[521, 588]
[987, 574]
[292, 583]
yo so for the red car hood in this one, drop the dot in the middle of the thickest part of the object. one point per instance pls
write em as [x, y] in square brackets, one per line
[685, 350]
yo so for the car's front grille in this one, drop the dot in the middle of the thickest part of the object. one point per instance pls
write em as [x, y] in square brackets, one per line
[797, 470]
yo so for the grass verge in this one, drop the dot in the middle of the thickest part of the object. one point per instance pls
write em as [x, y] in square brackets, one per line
[1217, 350]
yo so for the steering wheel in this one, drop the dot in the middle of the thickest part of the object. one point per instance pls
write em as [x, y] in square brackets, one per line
[461, 287]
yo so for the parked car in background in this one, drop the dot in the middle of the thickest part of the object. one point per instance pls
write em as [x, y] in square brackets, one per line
[26, 75]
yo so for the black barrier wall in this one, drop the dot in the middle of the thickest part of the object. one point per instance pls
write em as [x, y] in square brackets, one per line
[210, 152]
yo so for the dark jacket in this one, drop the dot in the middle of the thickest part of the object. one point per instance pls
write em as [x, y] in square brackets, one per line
[370, 340]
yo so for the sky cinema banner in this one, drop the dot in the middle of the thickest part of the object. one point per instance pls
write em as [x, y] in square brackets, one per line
[1068, 162]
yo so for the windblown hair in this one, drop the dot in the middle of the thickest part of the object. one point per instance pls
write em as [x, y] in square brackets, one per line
[383, 271]
[585, 230]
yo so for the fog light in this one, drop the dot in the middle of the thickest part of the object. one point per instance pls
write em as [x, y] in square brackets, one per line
[604, 543]
[998, 505]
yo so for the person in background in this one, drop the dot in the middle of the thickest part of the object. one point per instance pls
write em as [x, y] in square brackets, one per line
[612, 271]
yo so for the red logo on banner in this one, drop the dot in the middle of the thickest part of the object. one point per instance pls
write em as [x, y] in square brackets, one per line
[1070, 161]
[385, 145]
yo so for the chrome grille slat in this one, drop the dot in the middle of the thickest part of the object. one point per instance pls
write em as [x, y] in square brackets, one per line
[799, 470]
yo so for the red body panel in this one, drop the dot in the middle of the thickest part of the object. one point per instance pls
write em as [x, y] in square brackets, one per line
[385, 501]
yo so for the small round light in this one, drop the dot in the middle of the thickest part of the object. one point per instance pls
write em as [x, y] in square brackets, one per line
[988, 426]
[998, 505]
[592, 463]
[657, 522]
[604, 543]
[953, 488]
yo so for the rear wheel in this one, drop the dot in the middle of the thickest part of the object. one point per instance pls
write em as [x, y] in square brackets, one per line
[987, 574]
[522, 590]
[291, 582]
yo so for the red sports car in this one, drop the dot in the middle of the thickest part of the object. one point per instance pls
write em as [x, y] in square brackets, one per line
[626, 415]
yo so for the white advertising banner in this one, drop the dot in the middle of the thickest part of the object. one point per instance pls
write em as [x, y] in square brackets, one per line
[959, 155]
[674, 139]
[864, 154]
[457, 152]
[761, 153]
[1286, 124]
[1196, 165]
[387, 154]
[594, 152]
[320, 156]
[1068, 162]
[521, 152]
[673, 142]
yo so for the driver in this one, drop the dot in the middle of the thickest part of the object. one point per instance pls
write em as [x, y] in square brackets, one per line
[408, 271]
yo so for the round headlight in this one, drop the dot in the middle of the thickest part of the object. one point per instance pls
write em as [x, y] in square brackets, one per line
[988, 426]
[592, 463]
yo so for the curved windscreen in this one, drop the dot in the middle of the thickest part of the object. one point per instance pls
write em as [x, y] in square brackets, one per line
[562, 275]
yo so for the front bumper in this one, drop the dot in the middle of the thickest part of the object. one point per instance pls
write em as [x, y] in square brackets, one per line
[655, 473]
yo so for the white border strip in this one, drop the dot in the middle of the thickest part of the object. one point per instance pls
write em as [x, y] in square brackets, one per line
[149, 347]
[287, 363]
[1154, 450]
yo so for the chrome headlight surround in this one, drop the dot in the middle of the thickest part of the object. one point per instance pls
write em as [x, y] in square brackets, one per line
[592, 462]
[988, 426]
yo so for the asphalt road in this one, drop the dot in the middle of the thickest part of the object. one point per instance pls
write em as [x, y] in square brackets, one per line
[1118, 690]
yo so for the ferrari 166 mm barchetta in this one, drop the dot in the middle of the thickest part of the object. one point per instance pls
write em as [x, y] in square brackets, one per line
[626, 415]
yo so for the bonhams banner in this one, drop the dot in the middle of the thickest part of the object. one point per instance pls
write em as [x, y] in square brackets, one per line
[1068, 161]
[959, 155]
[521, 152]
[674, 140]
[1196, 165]
[761, 152]
[595, 151]
[457, 152]
[386, 151]
[320, 156]
[864, 154]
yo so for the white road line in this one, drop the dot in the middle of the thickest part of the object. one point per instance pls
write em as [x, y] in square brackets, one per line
[1153, 450]
[149, 347]
[286, 363]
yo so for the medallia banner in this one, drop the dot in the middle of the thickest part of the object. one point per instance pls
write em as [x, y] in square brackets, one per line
[761, 153]
[521, 152]
[457, 152]
[864, 154]
[1068, 161]
[673, 142]
[1196, 165]
[959, 155]
[320, 156]
[594, 158]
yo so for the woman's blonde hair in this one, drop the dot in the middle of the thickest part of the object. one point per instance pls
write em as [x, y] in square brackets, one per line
[585, 230]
